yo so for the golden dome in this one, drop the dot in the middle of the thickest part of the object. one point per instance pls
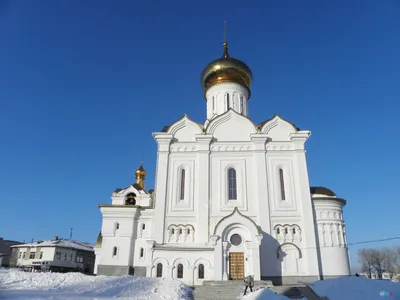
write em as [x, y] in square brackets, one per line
[226, 69]
[140, 172]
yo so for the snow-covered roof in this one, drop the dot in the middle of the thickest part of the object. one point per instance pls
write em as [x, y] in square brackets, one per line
[61, 243]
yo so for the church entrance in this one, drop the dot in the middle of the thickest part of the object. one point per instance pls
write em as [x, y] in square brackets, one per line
[236, 265]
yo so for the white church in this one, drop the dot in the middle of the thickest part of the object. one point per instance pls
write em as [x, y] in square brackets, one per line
[232, 198]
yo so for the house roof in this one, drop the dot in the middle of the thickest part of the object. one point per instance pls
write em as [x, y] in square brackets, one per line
[61, 243]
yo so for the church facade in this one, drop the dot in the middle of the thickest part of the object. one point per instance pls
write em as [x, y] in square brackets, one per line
[232, 198]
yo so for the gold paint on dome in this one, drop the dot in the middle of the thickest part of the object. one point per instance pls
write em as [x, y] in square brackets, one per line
[140, 174]
[226, 69]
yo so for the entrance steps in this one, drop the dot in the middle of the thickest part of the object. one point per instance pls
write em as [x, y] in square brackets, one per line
[225, 290]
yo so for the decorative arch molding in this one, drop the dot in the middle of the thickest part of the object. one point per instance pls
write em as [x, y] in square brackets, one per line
[162, 260]
[236, 216]
[225, 117]
[180, 260]
[203, 261]
[288, 244]
[183, 226]
[185, 123]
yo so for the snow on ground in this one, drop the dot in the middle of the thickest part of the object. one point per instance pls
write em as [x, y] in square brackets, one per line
[264, 294]
[70, 286]
[344, 288]
[357, 288]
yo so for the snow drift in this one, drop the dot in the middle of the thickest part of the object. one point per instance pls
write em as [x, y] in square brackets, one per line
[69, 286]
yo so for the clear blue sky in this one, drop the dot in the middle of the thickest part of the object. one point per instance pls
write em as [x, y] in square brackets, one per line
[83, 84]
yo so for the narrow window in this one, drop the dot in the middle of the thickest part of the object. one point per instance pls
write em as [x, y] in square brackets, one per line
[213, 104]
[182, 193]
[20, 255]
[201, 271]
[180, 230]
[115, 251]
[294, 230]
[180, 271]
[232, 192]
[241, 105]
[278, 231]
[143, 226]
[117, 226]
[188, 231]
[141, 252]
[159, 270]
[41, 255]
[282, 183]
[227, 101]
[286, 231]
[172, 231]
[65, 256]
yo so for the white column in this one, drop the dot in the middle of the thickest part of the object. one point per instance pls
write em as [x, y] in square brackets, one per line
[225, 261]
[202, 187]
[164, 141]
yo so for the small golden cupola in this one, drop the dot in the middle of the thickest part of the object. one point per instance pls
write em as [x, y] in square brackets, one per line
[140, 174]
[226, 69]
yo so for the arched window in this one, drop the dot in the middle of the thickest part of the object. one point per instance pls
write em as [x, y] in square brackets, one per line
[282, 184]
[232, 190]
[130, 199]
[159, 270]
[115, 251]
[201, 271]
[182, 191]
[180, 271]
[116, 226]
[141, 252]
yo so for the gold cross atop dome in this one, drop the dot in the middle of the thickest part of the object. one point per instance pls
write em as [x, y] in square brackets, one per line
[226, 69]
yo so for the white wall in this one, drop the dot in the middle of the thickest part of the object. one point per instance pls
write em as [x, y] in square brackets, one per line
[190, 261]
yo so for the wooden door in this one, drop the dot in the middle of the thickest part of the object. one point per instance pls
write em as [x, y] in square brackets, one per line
[236, 265]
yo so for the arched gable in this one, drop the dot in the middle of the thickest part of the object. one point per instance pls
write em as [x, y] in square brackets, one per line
[278, 129]
[184, 130]
[236, 217]
[129, 190]
[231, 126]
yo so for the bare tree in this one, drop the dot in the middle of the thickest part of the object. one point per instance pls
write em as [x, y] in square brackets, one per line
[365, 258]
[378, 262]
[390, 259]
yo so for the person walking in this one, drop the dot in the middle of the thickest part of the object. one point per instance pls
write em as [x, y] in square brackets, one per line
[248, 283]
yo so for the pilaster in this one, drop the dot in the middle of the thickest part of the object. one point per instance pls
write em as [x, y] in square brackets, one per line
[203, 188]
[164, 142]
[260, 161]
[303, 186]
